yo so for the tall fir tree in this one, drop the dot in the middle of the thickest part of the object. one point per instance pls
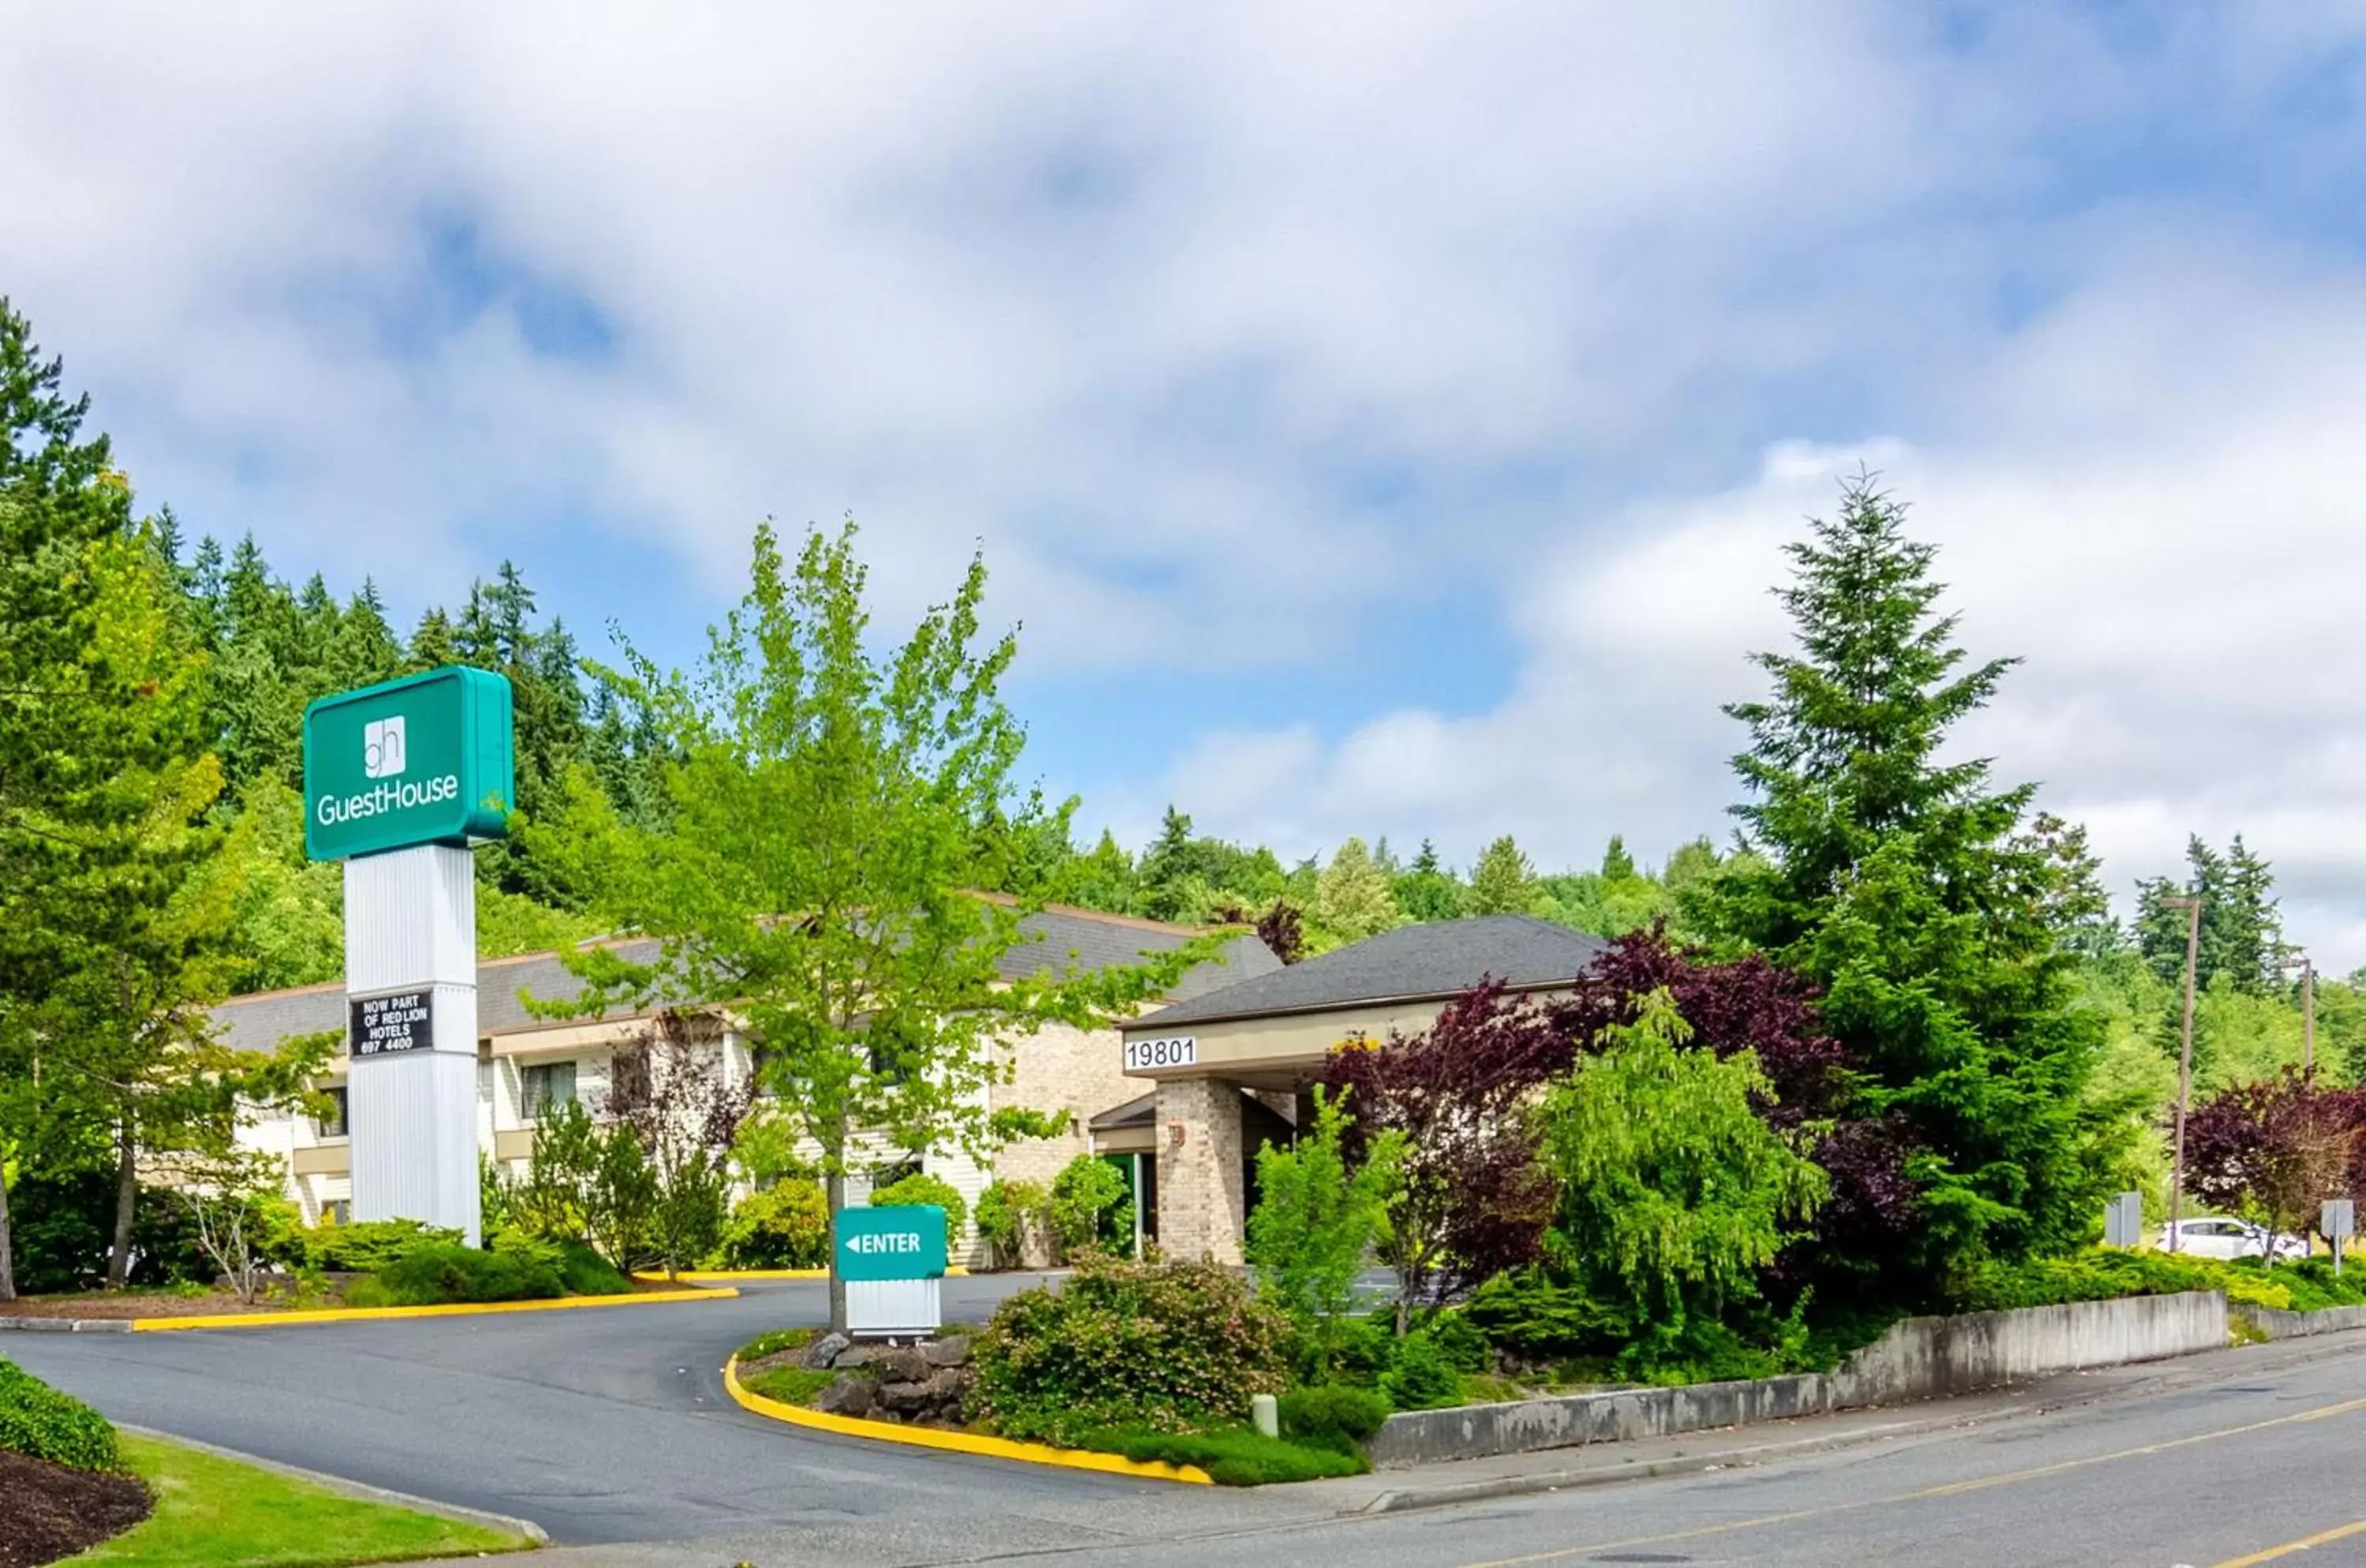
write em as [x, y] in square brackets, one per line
[1899, 882]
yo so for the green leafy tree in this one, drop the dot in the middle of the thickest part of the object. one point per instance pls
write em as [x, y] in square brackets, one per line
[1353, 898]
[811, 870]
[1898, 882]
[1675, 1190]
[1314, 1223]
[1502, 883]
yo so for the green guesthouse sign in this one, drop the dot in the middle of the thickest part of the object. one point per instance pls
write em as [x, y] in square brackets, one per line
[424, 760]
[906, 1242]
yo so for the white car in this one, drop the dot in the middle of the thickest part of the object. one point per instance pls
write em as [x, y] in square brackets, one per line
[2230, 1238]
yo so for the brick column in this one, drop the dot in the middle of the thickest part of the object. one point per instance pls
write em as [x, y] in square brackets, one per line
[1200, 1204]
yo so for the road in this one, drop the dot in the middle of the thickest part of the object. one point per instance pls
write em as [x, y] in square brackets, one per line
[605, 1424]
[612, 1427]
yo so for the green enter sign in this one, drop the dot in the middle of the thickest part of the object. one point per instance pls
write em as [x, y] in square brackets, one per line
[906, 1242]
[426, 759]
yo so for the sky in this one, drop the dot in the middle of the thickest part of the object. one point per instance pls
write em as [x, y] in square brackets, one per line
[1382, 418]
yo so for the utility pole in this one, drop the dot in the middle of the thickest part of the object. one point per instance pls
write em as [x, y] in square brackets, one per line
[2193, 908]
[2307, 1011]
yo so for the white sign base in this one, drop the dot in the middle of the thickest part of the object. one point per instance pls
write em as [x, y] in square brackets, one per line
[878, 1309]
[410, 925]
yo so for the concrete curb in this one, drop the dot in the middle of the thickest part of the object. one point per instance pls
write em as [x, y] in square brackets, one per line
[1403, 1498]
[67, 1325]
[954, 1442]
[729, 1276]
[360, 1491]
[456, 1309]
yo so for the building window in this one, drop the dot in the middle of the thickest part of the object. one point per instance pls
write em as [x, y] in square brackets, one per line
[548, 1086]
[333, 1124]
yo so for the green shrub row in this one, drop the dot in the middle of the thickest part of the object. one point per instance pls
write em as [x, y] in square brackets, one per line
[39, 1422]
[2108, 1274]
[437, 1273]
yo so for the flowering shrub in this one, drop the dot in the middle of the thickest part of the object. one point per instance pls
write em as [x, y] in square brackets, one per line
[1158, 1347]
[786, 1225]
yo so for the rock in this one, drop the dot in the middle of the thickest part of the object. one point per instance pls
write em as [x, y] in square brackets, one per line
[896, 1365]
[859, 1355]
[848, 1395]
[904, 1398]
[824, 1352]
[952, 1350]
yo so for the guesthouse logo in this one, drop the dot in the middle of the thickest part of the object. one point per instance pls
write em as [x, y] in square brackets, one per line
[382, 748]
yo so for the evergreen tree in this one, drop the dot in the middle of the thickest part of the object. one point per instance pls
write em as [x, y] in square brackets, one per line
[2241, 936]
[1897, 882]
[1427, 891]
[1617, 865]
[1502, 883]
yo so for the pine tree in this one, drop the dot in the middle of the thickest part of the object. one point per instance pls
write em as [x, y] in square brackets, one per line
[1502, 883]
[1427, 891]
[1617, 865]
[1898, 883]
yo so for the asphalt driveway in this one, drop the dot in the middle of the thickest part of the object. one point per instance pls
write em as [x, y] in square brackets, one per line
[609, 1424]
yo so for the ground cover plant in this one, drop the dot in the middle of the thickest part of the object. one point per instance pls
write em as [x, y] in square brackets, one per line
[39, 1422]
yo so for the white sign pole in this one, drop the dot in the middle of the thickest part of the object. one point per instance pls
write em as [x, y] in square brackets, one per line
[410, 945]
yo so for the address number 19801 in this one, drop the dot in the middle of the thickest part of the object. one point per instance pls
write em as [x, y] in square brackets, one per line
[1176, 1050]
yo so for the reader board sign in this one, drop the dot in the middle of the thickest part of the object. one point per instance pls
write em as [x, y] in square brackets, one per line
[382, 1025]
[905, 1242]
[1175, 1051]
[426, 759]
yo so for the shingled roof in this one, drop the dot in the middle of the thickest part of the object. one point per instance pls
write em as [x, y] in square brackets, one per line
[1442, 959]
[1065, 940]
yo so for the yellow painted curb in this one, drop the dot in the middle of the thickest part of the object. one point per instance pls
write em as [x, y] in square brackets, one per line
[723, 1276]
[958, 1442]
[454, 1309]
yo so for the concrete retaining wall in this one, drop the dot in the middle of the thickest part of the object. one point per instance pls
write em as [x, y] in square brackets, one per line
[2272, 1322]
[1921, 1357]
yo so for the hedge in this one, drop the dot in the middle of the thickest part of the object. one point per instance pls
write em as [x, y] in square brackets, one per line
[38, 1421]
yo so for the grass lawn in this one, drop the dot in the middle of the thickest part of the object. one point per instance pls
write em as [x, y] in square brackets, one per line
[221, 1514]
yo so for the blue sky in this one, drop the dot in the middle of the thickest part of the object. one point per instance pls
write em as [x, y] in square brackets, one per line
[1384, 419]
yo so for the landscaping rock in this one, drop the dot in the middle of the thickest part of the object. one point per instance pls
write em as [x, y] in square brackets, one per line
[825, 1351]
[859, 1355]
[897, 1365]
[952, 1350]
[849, 1396]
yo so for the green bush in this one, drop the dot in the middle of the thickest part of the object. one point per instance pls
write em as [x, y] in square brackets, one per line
[436, 1272]
[1333, 1415]
[62, 1227]
[1421, 1376]
[1459, 1340]
[785, 1226]
[1007, 1214]
[921, 1190]
[1091, 1206]
[1232, 1457]
[365, 1247]
[1154, 1347]
[1537, 1318]
[39, 1422]
[582, 1271]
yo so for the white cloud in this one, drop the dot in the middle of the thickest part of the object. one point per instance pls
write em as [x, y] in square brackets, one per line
[2163, 523]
